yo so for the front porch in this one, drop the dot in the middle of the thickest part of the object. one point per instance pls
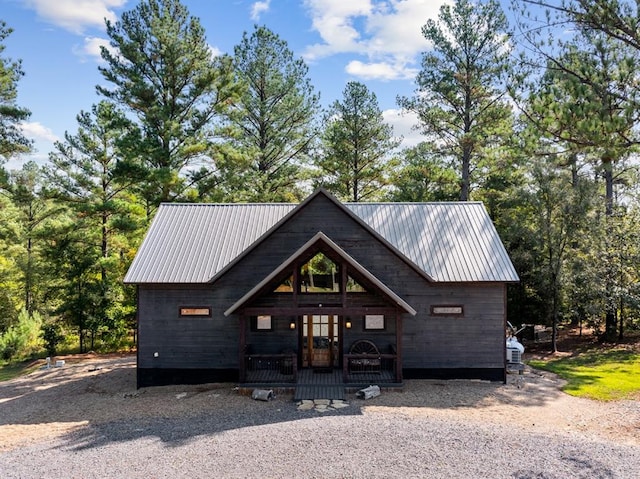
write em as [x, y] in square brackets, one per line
[280, 371]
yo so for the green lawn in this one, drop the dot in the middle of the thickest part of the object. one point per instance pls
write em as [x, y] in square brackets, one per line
[13, 370]
[606, 375]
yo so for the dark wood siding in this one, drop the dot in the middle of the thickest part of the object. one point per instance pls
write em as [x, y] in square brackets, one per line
[279, 340]
[473, 340]
[185, 342]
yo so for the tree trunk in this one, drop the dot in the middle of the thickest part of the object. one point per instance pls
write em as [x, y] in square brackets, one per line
[554, 328]
[610, 315]
[27, 279]
[621, 321]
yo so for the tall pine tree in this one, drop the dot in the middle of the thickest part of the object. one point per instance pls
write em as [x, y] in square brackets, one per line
[272, 124]
[355, 160]
[161, 70]
[460, 98]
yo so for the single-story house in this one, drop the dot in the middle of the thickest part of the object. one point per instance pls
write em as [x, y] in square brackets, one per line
[262, 293]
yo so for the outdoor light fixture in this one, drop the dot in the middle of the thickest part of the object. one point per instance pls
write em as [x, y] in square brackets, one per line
[347, 325]
[292, 325]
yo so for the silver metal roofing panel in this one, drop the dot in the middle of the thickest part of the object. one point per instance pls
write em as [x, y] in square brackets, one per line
[450, 242]
[190, 243]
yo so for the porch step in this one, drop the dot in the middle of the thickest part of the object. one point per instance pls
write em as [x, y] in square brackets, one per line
[319, 391]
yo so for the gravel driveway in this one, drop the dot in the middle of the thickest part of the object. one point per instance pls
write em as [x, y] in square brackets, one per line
[87, 420]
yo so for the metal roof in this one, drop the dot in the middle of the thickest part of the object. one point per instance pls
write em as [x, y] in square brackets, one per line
[449, 242]
[454, 241]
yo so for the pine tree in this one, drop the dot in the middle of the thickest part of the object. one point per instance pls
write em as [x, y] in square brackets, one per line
[461, 95]
[271, 127]
[161, 70]
[88, 175]
[355, 160]
[12, 141]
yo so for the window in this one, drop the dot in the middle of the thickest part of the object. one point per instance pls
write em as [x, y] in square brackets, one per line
[353, 286]
[262, 323]
[286, 286]
[319, 275]
[201, 311]
[374, 322]
[447, 310]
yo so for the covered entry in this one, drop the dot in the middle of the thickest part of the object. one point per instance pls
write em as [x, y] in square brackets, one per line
[308, 314]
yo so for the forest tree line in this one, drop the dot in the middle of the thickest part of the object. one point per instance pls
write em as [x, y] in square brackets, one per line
[535, 114]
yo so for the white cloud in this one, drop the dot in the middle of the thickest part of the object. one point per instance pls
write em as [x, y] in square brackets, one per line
[38, 132]
[398, 30]
[43, 139]
[334, 21]
[380, 71]
[92, 45]
[215, 51]
[76, 15]
[387, 32]
[16, 163]
[403, 123]
[258, 8]
[91, 48]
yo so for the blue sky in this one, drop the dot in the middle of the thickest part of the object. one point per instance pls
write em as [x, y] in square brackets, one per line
[376, 42]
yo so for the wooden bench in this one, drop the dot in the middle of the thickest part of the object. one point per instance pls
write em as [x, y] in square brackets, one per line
[368, 357]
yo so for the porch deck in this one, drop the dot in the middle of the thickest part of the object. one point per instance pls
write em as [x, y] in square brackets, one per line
[310, 384]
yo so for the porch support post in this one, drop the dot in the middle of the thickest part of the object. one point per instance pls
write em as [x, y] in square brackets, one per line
[398, 346]
[242, 349]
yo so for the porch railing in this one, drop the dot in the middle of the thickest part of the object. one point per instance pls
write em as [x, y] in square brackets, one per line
[356, 368]
[270, 368]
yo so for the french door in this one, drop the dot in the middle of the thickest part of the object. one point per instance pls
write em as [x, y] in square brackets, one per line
[321, 340]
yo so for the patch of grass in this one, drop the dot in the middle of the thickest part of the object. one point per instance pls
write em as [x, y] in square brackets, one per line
[13, 370]
[602, 374]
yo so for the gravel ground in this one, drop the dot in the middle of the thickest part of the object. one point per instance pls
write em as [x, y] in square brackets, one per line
[87, 420]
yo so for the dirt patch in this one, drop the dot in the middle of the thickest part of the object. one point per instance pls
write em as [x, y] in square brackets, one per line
[92, 390]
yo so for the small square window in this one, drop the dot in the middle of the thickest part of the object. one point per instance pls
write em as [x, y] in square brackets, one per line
[374, 322]
[263, 323]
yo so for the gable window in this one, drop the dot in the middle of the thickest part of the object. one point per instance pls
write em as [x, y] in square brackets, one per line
[197, 311]
[319, 275]
[354, 287]
[286, 286]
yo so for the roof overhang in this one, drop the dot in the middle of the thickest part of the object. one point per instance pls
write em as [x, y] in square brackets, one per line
[321, 237]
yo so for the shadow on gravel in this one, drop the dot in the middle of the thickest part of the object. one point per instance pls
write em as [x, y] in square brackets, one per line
[100, 397]
[180, 430]
[581, 468]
